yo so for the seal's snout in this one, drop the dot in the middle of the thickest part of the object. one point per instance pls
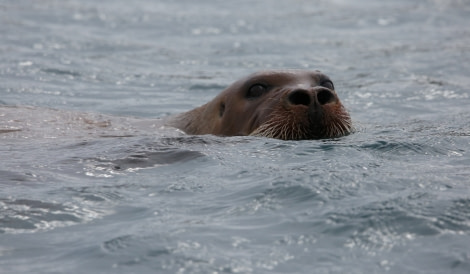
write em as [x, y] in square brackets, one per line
[321, 96]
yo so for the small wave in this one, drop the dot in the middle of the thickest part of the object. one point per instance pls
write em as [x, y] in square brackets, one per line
[10, 176]
[29, 216]
[384, 225]
[61, 72]
[106, 166]
[404, 148]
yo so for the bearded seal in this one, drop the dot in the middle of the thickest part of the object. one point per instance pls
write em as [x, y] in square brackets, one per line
[285, 104]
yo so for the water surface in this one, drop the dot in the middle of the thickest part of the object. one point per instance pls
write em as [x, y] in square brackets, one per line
[392, 197]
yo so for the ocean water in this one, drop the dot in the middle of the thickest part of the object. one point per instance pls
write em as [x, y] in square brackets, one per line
[393, 197]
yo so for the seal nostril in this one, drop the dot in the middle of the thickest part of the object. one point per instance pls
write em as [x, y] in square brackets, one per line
[325, 96]
[299, 97]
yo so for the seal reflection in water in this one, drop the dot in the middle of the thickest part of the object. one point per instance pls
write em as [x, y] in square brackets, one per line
[287, 105]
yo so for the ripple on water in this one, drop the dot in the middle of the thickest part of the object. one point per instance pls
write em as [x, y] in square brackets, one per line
[119, 158]
[29, 216]
[396, 221]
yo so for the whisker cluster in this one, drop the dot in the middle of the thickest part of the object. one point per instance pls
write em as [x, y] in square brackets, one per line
[288, 127]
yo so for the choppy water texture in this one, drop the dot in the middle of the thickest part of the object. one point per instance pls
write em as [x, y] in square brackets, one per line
[392, 197]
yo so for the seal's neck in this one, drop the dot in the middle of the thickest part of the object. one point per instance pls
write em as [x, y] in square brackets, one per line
[189, 122]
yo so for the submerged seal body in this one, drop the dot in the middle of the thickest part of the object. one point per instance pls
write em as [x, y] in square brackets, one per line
[287, 105]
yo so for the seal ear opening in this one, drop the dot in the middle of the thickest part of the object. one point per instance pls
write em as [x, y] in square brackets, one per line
[221, 109]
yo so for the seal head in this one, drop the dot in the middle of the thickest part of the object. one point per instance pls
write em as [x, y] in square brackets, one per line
[287, 105]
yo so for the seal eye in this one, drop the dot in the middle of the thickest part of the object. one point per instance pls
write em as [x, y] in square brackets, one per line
[328, 84]
[256, 90]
